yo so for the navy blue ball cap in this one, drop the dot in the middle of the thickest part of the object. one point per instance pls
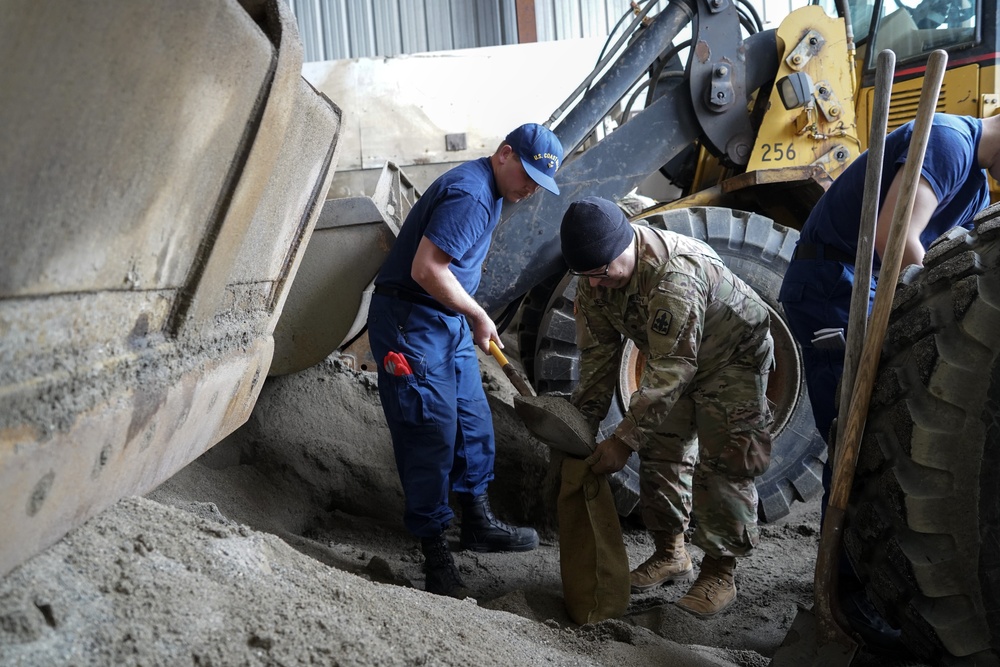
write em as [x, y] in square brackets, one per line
[594, 232]
[540, 151]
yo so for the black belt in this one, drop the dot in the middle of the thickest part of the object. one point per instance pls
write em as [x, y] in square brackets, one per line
[820, 251]
[413, 297]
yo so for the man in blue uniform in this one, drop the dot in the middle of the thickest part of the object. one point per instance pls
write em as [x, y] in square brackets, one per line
[423, 326]
[816, 291]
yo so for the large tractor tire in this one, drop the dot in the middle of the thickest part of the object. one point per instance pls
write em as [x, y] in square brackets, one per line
[923, 526]
[757, 250]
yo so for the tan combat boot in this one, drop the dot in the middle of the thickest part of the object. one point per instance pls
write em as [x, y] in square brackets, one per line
[670, 562]
[713, 590]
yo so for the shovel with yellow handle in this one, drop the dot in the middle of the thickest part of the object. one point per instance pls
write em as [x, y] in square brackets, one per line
[551, 419]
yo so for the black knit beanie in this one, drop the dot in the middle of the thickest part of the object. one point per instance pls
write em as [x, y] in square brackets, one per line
[594, 232]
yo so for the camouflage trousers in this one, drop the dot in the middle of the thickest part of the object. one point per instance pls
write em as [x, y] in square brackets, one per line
[705, 455]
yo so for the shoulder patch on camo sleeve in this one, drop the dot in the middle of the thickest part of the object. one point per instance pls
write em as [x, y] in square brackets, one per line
[661, 321]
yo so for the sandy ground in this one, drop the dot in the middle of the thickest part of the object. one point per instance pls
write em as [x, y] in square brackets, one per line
[283, 545]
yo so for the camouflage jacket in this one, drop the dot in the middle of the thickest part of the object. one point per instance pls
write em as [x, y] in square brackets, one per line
[685, 311]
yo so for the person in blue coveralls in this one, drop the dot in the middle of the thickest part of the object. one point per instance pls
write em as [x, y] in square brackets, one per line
[423, 326]
[816, 290]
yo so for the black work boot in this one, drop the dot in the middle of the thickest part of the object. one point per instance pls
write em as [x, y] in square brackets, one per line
[481, 531]
[867, 622]
[442, 575]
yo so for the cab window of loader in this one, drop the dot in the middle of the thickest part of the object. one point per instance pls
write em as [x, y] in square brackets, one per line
[913, 28]
[861, 15]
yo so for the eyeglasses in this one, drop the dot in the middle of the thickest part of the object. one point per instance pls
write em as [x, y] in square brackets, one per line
[600, 273]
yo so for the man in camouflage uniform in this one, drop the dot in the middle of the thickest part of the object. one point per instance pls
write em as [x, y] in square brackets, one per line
[700, 419]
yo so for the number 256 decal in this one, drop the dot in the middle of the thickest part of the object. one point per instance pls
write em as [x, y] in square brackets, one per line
[777, 152]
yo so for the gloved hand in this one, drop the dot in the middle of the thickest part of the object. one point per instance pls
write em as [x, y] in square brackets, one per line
[610, 455]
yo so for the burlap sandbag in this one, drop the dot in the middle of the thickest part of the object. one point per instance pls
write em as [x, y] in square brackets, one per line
[592, 558]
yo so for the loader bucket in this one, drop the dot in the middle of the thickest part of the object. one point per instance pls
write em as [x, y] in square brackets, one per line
[163, 166]
[327, 305]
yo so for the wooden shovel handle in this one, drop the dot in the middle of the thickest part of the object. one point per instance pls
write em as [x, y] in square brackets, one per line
[832, 627]
[846, 456]
[857, 322]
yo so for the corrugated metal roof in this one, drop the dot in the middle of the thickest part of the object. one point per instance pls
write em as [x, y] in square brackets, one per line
[339, 29]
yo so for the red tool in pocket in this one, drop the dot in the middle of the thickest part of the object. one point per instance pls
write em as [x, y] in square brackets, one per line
[396, 364]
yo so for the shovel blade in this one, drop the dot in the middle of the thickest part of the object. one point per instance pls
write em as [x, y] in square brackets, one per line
[805, 646]
[558, 424]
[555, 422]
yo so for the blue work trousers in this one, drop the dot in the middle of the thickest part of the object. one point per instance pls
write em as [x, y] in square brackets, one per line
[438, 416]
[816, 294]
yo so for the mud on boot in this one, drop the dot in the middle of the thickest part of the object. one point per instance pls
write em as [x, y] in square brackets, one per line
[713, 590]
[482, 531]
[669, 563]
[442, 575]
